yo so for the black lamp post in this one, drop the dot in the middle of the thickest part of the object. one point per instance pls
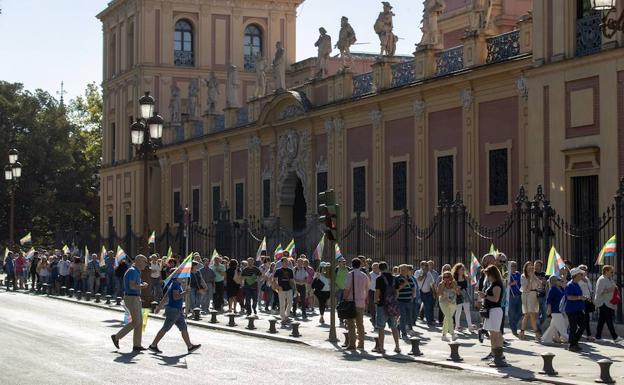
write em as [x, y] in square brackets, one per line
[12, 172]
[146, 133]
[610, 26]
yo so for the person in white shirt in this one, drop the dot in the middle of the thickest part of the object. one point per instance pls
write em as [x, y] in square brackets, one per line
[586, 287]
[372, 308]
[156, 277]
[63, 269]
[426, 284]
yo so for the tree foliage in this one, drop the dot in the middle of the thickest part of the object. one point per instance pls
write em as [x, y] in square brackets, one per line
[60, 150]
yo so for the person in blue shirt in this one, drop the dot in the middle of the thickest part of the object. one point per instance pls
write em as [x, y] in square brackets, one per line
[132, 285]
[109, 261]
[9, 269]
[515, 297]
[575, 305]
[558, 323]
[173, 297]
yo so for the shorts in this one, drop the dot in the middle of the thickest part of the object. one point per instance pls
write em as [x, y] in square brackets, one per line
[174, 316]
[493, 322]
[382, 319]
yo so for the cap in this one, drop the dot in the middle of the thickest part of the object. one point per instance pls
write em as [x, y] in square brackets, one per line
[575, 271]
[386, 4]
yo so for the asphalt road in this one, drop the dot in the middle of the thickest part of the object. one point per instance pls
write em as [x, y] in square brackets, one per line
[47, 341]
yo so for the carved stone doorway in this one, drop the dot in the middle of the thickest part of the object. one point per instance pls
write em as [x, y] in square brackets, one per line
[293, 207]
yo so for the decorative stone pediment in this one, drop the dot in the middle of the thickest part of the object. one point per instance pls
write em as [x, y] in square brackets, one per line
[293, 156]
[285, 106]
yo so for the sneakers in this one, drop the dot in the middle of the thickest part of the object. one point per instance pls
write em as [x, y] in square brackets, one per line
[618, 340]
[138, 349]
[154, 349]
[115, 340]
[480, 335]
[454, 337]
[192, 348]
[445, 338]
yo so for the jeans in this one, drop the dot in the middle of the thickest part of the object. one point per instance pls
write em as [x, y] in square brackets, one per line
[427, 300]
[157, 290]
[110, 283]
[195, 299]
[251, 298]
[605, 316]
[93, 284]
[372, 308]
[405, 308]
[118, 286]
[541, 316]
[415, 308]
[339, 295]
[577, 324]
[269, 297]
[301, 289]
[515, 312]
[207, 297]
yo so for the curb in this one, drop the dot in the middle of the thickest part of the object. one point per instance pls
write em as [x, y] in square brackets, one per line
[429, 362]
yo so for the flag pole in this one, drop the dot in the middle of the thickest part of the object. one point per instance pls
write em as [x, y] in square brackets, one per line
[332, 291]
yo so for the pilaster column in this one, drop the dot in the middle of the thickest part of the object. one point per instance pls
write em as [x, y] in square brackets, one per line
[340, 184]
[523, 124]
[377, 170]
[205, 190]
[165, 188]
[227, 179]
[420, 163]
[185, 180]
[331, 157]
[470, 146]
[255, 184]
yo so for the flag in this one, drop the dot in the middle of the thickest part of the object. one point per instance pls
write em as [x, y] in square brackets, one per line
[30, 254]
[152, 239]
[215, 253]
[169, 254]
[182, 271]
[493, 250]
[65, 249]
[318, 252]
[475, 266]
[119, 255]
[86, 256]
[145, 315]
[608, 250]
[338, 252]
[102, 256]
[279, 252]
[262, 248]
[555, 263]
[27, 239]
[6, 252]
[291, 248]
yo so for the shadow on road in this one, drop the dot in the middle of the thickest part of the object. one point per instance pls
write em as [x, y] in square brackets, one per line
[126, 358]
[113, 323]
[178, 361]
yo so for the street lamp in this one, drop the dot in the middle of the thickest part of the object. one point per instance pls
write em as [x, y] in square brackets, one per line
[609, 26]
[145, 135]
[12, 172]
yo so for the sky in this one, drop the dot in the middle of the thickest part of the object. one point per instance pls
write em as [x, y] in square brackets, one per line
[46, 42]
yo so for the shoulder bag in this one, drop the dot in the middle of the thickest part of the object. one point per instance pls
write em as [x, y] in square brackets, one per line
[346, 309]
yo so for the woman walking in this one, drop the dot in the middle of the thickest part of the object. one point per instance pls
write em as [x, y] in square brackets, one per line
[321, 287]
[463, 297]
[231, 286]
[530, 285]
[558, 323]
[493, 314]
[447, 298]
[605, 288]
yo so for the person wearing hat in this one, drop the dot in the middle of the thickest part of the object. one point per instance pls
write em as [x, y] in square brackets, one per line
[324, 44]
[574, 308]
[321, 287]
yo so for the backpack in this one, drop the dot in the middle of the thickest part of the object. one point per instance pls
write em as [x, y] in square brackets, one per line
[391, 305]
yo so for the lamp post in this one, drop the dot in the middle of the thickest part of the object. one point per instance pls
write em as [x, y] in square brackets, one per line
[609, 26]
[146, 133]
[12, 172]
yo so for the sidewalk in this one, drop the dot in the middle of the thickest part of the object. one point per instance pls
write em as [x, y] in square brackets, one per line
[523, 356]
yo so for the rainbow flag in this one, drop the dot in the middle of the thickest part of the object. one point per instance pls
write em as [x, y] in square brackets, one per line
[182, 271]
[263, 247]
[152, 239]
[318, 252]
[119, 255]
[102, 256]
[608, 250]
[555, 263]
[475, 266]
[27, 239]
[279, 252]
[30, 254]
[291, 248]
[337, 250]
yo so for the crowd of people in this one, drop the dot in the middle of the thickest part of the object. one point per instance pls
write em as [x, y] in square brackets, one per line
[556, 308]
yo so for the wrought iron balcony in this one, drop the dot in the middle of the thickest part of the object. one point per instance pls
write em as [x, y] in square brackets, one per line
[503, 47]
[403, 73]
[250, 63]
[450, 60]
[183, 58]
[362, 84]
[588, 34]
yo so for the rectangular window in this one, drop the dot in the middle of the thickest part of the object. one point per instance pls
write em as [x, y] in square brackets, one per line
[239, 189]
[177, 207]
[359, 189]
[399, 186]
[216, 202]
[499, 177]
[266, 198]
[113, 139]
[128, 224]
[196, 205]
[446, 179]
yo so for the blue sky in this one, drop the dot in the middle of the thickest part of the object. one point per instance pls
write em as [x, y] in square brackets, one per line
[44, 42]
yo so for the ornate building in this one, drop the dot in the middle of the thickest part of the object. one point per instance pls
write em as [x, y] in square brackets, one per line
[499, 94]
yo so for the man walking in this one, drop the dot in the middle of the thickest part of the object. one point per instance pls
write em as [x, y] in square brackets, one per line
[356, 289]
[385, 298]
[284, 282]
[93, 274]
[132, 286]
[426, 284]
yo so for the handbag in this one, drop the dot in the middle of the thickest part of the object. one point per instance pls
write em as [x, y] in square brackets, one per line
[590, 307]
[346, 309]
[484, 312]
[616, 298]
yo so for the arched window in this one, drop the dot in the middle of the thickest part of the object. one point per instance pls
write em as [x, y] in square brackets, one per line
[183, 44]
[252, 45]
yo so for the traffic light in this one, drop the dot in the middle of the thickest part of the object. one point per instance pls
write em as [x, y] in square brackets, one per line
[329, 214]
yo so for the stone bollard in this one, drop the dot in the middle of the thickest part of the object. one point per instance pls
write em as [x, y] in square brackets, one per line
[79, 295]
[376, 348]
[232, 321]
[605, 376]
[118, 301]
[196, 312]
[454, 352]
[346, 337]
[295, 329]
[44, 289]
[108, 299]
[63, 291]
[88, 296]
[153, 305]
[415, 347]
[548, 369]
[98, 297]
[213, 317]
[71, 293]
[250, 323]
[272, 328]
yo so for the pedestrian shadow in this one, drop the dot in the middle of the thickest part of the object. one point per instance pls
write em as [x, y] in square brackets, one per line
[358, 355]
[113, 323]
[512, 350]
[178, 361]
[126, 358]
[590, 353]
